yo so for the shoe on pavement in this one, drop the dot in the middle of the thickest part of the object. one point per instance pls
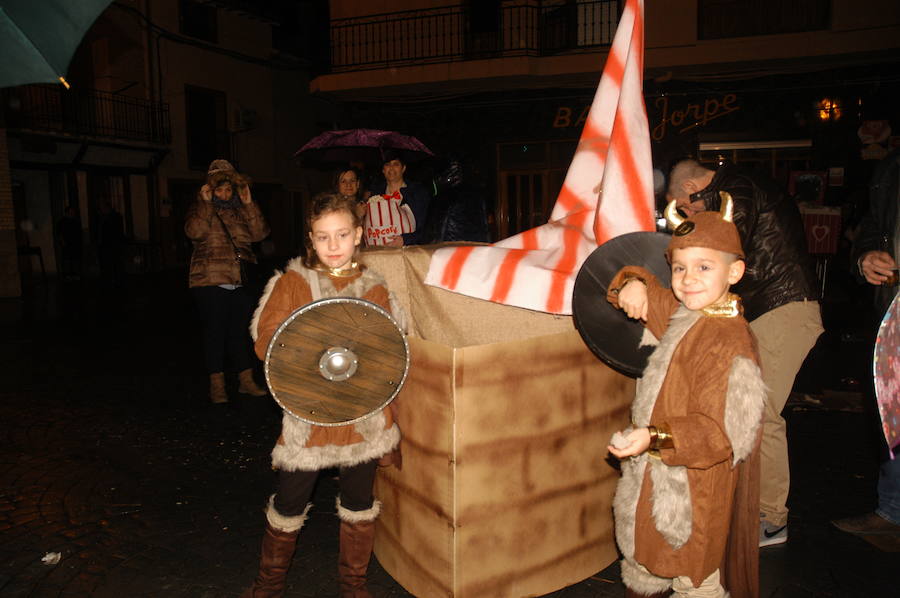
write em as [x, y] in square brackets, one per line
[248, 385]
[868, 524]
[770, 535]
[217, 392]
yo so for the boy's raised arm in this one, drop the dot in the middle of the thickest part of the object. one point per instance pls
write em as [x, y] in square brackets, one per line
[660, 302]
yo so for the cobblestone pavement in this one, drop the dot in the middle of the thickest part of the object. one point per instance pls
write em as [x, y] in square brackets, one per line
[111, 456]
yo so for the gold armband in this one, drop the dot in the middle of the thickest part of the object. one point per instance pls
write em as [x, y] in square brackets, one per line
[660, 437]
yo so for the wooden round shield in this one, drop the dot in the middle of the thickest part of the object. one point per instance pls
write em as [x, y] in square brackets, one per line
[607, 331]
[336, 361]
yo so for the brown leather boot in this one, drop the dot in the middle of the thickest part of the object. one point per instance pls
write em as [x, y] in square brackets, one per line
[357, 540]
[248, 385]
[275, 558]
[217, 388]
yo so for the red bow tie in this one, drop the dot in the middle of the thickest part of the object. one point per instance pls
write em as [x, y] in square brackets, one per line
[394, 195]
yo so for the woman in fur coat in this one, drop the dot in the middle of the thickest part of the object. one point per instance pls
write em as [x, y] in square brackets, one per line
[328, 270]
[223, 220]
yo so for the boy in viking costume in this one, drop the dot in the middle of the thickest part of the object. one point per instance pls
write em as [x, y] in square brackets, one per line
[303, 449]
[686, 507]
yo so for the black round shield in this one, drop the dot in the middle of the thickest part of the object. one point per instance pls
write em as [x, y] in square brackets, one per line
[607, 331]
[336, 361]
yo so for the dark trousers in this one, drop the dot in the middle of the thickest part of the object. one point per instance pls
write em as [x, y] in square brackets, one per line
[225, 317]
[295, 488]
[71, 262]
[112, 270]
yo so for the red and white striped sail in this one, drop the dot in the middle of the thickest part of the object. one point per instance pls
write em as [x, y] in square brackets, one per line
[608, 191]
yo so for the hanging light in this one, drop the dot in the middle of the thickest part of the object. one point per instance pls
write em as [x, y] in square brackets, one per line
[828, 109]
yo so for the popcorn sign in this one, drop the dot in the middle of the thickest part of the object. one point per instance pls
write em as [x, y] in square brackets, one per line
[386, 219]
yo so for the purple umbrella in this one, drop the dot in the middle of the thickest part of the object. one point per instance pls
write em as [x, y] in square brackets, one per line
[363, 145]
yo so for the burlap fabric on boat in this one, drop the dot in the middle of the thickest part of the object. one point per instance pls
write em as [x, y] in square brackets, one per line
[505, 416]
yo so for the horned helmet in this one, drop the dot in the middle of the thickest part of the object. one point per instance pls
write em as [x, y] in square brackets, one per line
[712, 229]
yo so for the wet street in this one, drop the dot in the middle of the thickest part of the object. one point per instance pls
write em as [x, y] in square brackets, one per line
[112, 456]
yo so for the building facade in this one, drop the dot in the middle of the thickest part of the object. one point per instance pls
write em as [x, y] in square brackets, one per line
[789, 87]
[805, 90]
[159, 89]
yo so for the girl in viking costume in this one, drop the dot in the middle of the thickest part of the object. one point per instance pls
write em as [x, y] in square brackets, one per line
[687, 503]
[328, 270]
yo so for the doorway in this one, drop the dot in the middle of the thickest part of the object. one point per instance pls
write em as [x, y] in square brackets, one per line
[530, 176]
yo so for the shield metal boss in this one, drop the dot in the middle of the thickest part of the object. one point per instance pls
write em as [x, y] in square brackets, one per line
[607, 331]
[336, 361]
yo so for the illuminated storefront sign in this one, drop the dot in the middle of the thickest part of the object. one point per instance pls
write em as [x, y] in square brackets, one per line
[692, 115]
[670, 116]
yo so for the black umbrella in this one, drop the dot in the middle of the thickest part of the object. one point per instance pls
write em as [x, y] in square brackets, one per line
[39, 37]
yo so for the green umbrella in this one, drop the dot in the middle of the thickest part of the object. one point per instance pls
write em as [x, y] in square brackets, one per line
[39, 37]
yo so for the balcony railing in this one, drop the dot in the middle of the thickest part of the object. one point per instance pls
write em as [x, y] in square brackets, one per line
[719, 19]
[50, 108]
[465, 32]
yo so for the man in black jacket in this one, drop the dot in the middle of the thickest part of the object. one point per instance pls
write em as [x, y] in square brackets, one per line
[780, 295]
[878, 244]
[876, 249]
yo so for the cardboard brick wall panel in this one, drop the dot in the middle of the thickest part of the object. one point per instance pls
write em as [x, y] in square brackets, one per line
[495, 499]
[533, 549]
[415, 531]
[504, 490]
[532, 388]
[414, 542]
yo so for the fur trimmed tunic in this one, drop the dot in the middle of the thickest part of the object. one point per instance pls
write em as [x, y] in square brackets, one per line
[694, 508]
[303, 446]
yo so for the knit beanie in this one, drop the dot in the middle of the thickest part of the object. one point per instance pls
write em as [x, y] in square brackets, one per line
[221, 172]
[219, 166]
